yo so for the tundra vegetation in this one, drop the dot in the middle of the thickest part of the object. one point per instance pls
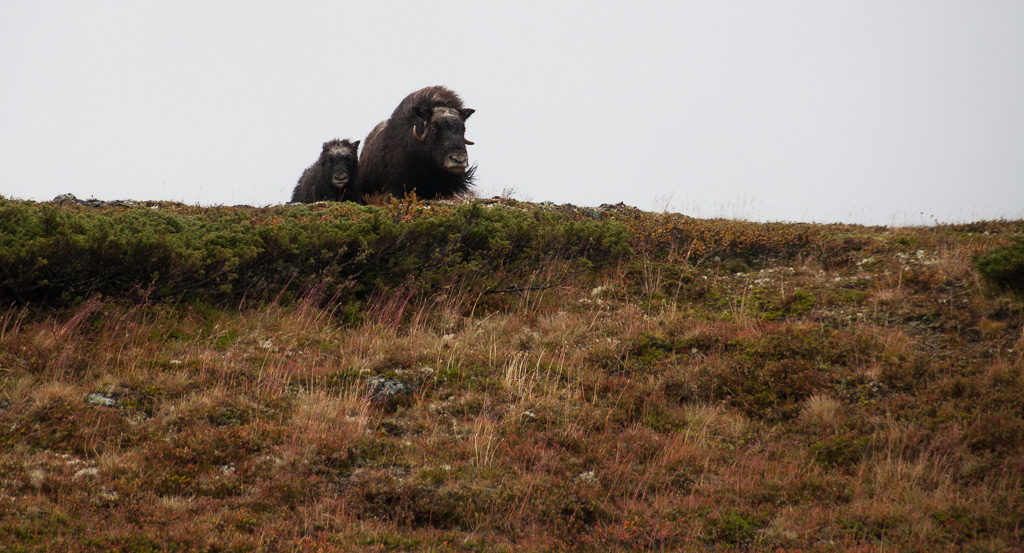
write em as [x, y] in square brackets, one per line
[177, 378]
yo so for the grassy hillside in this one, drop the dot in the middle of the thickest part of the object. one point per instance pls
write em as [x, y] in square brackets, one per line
[498, 376]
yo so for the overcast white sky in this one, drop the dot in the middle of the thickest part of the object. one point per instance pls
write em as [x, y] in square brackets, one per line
[875, 112]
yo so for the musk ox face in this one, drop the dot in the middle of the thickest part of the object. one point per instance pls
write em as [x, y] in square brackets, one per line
[441, 133]
[339, 162]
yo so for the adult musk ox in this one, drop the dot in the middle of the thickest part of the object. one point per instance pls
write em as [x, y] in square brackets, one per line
[332, 177]
[421, 148]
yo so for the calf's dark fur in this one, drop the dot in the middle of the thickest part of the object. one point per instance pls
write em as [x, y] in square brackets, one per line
[333, 177]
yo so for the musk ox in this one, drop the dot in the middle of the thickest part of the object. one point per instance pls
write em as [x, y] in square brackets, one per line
[332, 177]
[421, 148]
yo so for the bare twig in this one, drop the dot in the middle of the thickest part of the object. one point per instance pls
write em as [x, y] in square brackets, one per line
[516, 288]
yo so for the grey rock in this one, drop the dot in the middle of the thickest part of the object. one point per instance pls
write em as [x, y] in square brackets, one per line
[66, 199]
[385, 389]
[72, 199]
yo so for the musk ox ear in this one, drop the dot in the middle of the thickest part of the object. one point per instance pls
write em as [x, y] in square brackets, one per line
[327, 145]
[355, 145]
[466, 112]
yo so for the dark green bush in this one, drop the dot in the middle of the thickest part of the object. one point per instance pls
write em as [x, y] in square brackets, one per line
[1004, 267]
[735, 527]
[61, 254]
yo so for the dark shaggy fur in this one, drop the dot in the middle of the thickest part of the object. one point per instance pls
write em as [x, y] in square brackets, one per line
[421, 148]
[333, 177]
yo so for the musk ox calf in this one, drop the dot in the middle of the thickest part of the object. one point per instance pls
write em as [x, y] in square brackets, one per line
[421, 148]
[332, 177]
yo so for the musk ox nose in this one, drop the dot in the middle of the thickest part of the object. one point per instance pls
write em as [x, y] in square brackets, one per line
[339, 179]
[457, 162]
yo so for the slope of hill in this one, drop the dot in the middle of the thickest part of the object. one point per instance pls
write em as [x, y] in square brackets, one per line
[499, 376]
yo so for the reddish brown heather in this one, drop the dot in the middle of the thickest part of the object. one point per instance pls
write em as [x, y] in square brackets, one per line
[751, 403]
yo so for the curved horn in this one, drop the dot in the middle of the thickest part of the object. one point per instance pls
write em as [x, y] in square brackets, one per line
[468, 143]
[417, 136]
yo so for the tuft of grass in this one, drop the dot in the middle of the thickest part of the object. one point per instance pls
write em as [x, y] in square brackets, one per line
[821, 411]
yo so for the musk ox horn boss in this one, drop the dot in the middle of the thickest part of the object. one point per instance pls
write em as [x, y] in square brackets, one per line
[333, 177]
[421, 148]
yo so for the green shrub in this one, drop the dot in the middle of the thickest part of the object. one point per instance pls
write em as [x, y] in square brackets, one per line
[62, 254]
[840, 451]
[735, 527]
[1004, 266]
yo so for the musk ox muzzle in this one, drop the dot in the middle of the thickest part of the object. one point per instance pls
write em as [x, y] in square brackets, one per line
[339, 180]
[457, 162]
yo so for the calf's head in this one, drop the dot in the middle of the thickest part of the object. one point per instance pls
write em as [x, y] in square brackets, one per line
[338, 160]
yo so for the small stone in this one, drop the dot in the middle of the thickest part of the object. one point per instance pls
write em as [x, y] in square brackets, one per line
[102, 400]
[587, 477]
